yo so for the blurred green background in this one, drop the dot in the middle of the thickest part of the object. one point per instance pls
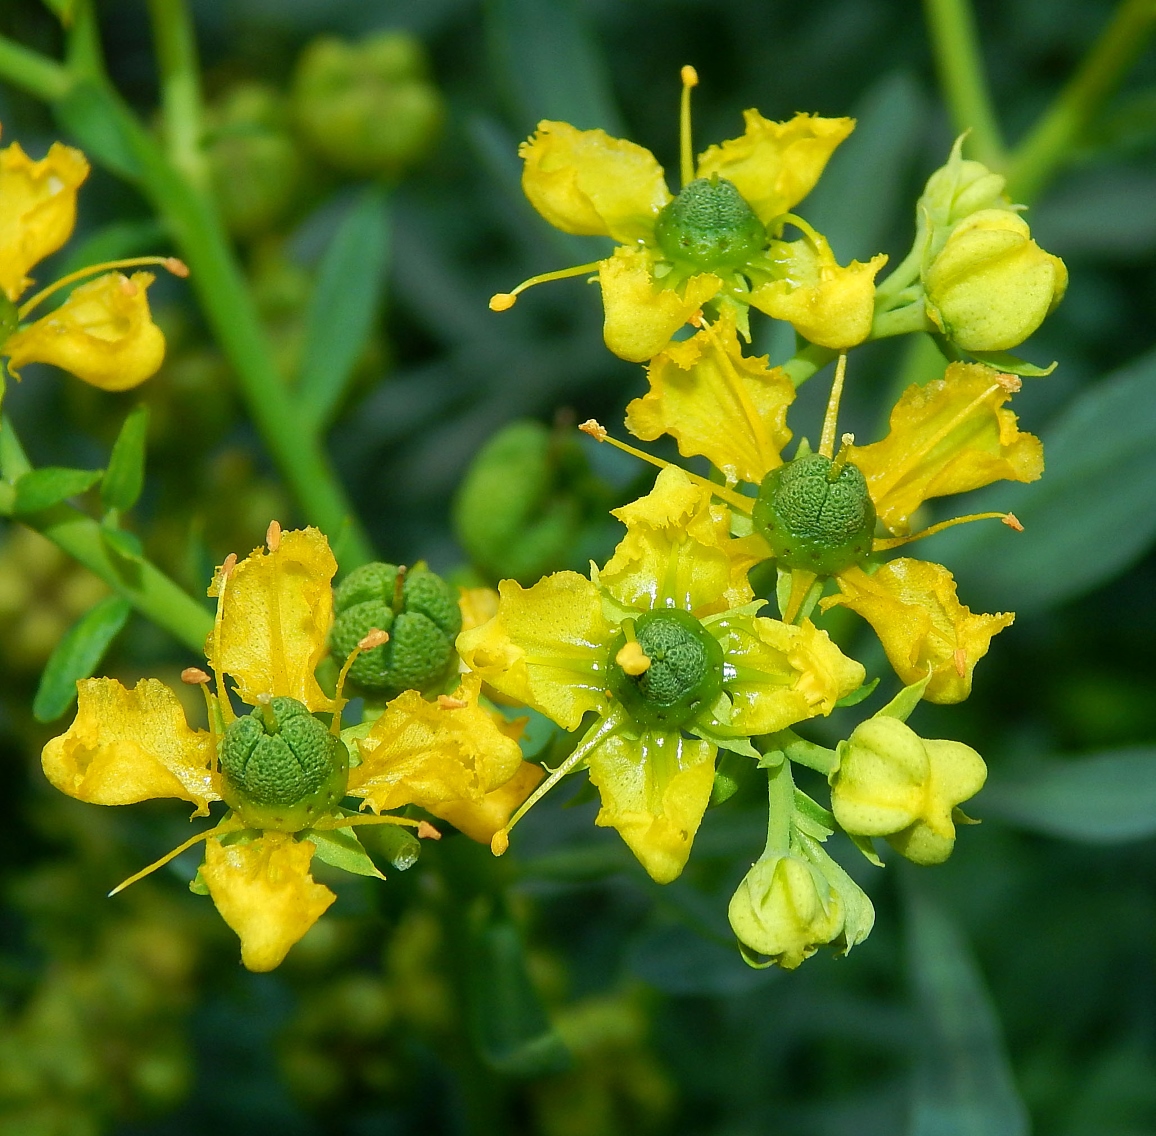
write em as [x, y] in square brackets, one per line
[558, 991]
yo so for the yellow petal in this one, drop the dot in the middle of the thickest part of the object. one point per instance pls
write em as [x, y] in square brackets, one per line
[103, 333]
[130, 745]
[584, 181]
[274, 619]
[264, 891]
[717, 402]
[479, 820]
[430, 753]
[654, 791]
[477, 605]
[785, 673]
[957, 773]
[641, 316]
[913, 608]
[678, 551]
[546, 647]
[774, 165]
[881, 784]
[824, 302]
[37, 209]
[949, 436]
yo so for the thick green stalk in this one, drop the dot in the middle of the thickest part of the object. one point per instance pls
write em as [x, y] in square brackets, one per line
[176, 46]
[780, 808]
[32, 72]
[961, 74]
[1044, 150]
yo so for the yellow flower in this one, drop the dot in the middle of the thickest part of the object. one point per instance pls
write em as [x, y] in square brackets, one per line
[281, 770]
[707, 245]
[37, 209]
[663, 643]
[103, 333]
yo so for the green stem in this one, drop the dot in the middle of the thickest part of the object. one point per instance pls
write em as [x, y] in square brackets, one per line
[1044, 150]
[780, 807]
[176, 47]
[32, 72]
[901, 321]
[807, 362]
[961, 73]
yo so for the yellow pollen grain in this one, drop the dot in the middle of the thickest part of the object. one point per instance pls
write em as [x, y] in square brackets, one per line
[632, 659]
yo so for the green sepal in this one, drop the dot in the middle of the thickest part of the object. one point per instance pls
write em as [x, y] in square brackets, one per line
[866, 845]
[811, 818]
[197, 884]
[124, 477]
[40, 489]
[120, 542]
[340, 848]
[906, 700]
[1012, 364]
[783, 593]
[857, 696]
[394, 843]
[731, 773]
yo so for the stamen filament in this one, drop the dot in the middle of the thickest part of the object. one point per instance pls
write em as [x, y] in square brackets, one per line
[685, 145]
[229, 824]
[331, 822]
[898, 541]
[214, 661]
[598, 432]
[503, 301]
[373, 638]
[175, 266]
[831, 419]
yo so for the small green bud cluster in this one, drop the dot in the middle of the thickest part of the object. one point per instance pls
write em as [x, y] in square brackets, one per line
[281, 767]
[684, 677]
[418, 610]
[816, 514]
[709, 226]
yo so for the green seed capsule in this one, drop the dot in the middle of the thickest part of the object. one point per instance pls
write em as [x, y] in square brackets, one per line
[815, 515]
[684, 677]
[420, 612]
[710, 226]
[281, 768]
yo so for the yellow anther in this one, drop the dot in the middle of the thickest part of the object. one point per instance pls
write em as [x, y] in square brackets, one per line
[960, 657]
[633, 659]
[502, 301]
[448, 702]
[194, 676]
[1010, 383]
[500, 842]
[374, 637]
[594, 428]
[1013, 522]
[689, 76]
[426, 831]
[273, 536]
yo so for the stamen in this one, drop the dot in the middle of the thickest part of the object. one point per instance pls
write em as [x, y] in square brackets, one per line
[959, 656]
[504, 301]
[329, 823]
[801, 581]
[231, 824]
[1008, 519]
[830, 420]
[194, 676]
[273, 536]
[398, 590]
[171, 263]
[614, 721]
[426, 831]
[374, 637]
[685, 146]
[812, 236]
[222, 693]
[633, 659]
[448, 702]
[841, 458]
[599, 433]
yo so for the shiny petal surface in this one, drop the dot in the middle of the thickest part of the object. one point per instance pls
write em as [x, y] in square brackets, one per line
[654, 791]
[103, 333]
[913, 608]
[274, 619]
[950, 436]
[586, 182]
[774, 165]
[130, 745]
[37, 209]
[265, 893]
[716, 402]
[640, 316]
[479, 820]
[546, 647]
[429, 753]
[678, 551]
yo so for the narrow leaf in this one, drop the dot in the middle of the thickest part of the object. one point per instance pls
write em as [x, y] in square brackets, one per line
[1108, 798]
[77, 656]
[42, 488]
[963, 1084]
[341, 849]
[345, 303]
[96, 121]
[124, 478]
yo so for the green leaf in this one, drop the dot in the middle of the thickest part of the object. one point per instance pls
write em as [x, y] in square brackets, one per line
[42, 488]
[344, 306]
[1087, 520]
[857, 696]
[1013, 364]
[963, 1084]
[124, 478]
[77, 656]
[1107, 798]
[95, 120]
[511, 1030]
[340, 848]
[124, 544]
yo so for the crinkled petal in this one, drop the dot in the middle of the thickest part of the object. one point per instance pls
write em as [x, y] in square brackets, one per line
[131, 745]
[103, 333]
[431, 753]
[37, 209]
[778, 673]
[913, 608]
[824, 302]
[949, 436]
[479, 820]
[640, 315]
[264, 891]
[717, 402]
[654, 791]
[546, 647]
[678, 551]
[586, 182]
[774, 165]
[274, 620]
[477, 605]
